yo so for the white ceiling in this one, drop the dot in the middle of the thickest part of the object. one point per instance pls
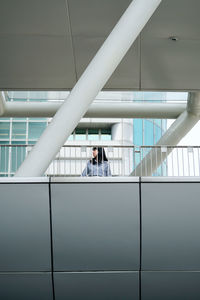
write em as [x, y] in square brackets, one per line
[46, 44]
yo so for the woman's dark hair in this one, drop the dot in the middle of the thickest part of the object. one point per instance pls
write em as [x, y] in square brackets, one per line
[101, 156]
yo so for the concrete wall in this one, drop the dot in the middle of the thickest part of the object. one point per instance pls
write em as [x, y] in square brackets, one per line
[98, 238]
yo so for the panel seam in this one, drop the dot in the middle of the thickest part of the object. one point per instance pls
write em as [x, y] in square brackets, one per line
[72, 40]
[51, 241]
[140, 268]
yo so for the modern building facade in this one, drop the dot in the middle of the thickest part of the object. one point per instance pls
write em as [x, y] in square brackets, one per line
[17, 132]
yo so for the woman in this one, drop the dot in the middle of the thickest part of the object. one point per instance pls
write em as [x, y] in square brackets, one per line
[98, 165]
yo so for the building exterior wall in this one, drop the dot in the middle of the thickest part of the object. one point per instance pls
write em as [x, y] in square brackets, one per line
[130, 238]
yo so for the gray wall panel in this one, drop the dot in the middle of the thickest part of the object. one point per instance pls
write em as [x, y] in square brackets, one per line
[98, 286]
[170, 226]
[24, 227]
[26, 287]
[95, 226]
[170, 285]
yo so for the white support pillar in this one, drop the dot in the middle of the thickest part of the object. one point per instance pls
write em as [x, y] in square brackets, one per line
[184, 123]
[91, 82]
[2, 104]
[96, 110]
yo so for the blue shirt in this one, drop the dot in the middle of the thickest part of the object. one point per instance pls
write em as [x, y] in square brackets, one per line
[100, 169]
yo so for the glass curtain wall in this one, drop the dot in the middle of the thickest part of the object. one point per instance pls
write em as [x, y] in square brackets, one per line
[19, 131]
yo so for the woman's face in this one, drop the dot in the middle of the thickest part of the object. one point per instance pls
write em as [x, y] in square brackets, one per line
[94, 153]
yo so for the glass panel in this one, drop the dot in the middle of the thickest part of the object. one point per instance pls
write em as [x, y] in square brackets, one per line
[157, 134]
[157, 122]
[38, 119]
[31, 142]
[164, 125]
[4, 130]
[36, 129]
[106, 134]
[4, 156]
[93, 134]
[137, 159]
[106, 137]
[105, 131]
[38, 96]
[93, 131]
[19, 130]
[148, 133]
[80, 131]
[93, 137]
[80, 137]
[17, 156]
[18, 143]
[19, 100]
[138, 132]
[18, 94]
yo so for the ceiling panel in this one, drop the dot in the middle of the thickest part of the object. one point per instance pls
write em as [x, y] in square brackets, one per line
[36, 49]
[95, 17]
[38, 52]
[33, 17]
[167, 64]
[36, 63]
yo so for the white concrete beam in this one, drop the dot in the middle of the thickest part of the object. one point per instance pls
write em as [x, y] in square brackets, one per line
[96, 110]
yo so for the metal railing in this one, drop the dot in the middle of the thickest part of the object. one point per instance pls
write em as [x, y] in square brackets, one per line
[122, 160]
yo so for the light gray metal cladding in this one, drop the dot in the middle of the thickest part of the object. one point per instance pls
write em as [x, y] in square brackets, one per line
[95, 239]
[100, 221]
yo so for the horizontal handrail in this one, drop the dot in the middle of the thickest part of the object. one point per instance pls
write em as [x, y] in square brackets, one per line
[123, 160]
[105, 146]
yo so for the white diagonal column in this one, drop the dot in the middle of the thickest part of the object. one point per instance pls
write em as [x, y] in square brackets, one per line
[183, 124]
[91, 82]
[2, 104]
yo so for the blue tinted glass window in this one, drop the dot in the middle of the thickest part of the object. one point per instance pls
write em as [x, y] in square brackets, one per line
[93, 134]
[157, 122]
[4, 130]
[148, 133]
[4, 157]
[93, 137]
[17, 155]
[106, 137]
[19, 130]
[138, 133]
[80, 137]
[36, 119]
[164, 125]
[36, 129]
[158, 134]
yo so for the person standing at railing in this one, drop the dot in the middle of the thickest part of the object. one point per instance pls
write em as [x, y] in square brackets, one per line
[98, 165]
